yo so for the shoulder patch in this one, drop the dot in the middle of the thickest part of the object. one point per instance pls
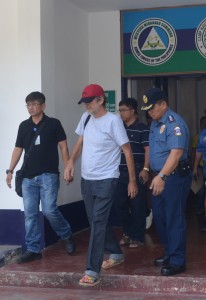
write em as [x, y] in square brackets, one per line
[171, 118]
[177, 131]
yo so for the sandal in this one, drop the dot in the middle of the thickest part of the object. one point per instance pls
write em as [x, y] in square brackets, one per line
[135, 244]
[109, 263]
[125, 240]
[88, 280]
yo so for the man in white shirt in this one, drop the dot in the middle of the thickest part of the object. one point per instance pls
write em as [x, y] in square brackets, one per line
[101, 138]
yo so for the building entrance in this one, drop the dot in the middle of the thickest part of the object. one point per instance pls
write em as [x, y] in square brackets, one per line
[186, 95]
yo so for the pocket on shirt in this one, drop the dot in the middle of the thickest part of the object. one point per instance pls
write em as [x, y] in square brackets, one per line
[160, 141]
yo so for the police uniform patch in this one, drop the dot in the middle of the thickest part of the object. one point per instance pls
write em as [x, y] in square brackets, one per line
[177, 131]
[171, 118]
[162, 129]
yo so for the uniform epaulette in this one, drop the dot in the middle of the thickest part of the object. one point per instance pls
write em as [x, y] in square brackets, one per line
[171, 118]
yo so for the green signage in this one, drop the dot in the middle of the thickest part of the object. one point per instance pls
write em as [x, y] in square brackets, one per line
[110, 105]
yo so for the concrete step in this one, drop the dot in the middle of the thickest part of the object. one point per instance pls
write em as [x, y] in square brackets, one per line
[17, 293]
[177, 285]
[137, 275]
[9, 254]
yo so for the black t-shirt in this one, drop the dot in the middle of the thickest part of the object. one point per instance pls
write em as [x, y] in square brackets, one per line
[44, 157]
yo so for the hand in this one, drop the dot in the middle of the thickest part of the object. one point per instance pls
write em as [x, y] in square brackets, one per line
[195, 173]
[157, 185]
[8, 179]
[69, 172]
[144, 175]
[132, 189]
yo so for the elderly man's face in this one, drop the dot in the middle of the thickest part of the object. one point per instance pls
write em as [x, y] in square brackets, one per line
[94, 106]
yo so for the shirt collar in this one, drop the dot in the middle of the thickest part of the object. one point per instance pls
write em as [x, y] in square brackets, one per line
[164, 117]
[42, 120]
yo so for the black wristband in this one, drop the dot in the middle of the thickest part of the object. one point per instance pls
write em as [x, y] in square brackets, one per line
[9, 171]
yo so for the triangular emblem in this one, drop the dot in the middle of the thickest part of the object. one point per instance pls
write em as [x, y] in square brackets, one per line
[153, 41]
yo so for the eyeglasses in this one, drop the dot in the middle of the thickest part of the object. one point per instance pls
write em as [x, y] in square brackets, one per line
[123, 110]
[32, 105]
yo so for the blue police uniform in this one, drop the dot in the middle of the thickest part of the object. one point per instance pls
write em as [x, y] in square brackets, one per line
[171, 132]
[201, 147]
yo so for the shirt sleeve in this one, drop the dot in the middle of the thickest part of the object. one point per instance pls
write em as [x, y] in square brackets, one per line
[60, 133]
[80, 127]
[19, 140]
[176, 135]
[118, 132]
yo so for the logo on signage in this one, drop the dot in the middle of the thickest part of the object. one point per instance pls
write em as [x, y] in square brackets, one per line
[153, 42]
[200, 38]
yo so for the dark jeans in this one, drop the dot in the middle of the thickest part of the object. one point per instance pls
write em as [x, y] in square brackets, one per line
[98, 197]
[131, 212]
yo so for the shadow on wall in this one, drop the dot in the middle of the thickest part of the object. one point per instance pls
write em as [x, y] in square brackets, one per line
[75, 213]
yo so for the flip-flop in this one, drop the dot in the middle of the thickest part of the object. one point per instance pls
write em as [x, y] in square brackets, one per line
[109, 263]
[125, 240]
[88, 280]
[135, 244]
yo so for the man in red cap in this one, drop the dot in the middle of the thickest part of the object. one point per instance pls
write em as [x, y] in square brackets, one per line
[101, 138]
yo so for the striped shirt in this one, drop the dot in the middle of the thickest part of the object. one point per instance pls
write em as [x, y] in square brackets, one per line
[138, 134]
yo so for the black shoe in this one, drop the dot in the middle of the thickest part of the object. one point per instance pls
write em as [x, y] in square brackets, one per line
[203, 229]
[29, 256]
[161, 261]
[200, 212]
[70, 246]
[170, 270]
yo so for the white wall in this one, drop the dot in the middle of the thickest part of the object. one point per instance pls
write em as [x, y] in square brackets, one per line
[20, 62]
[65, 72]
[53, 46]
[77, 49]
[104, 51]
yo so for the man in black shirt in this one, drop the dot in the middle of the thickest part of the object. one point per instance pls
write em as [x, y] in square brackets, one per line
[41, 175]
[132, 212]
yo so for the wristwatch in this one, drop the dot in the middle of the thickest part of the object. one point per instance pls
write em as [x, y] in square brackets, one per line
[146, 169]
[9, 171]
[162, 176]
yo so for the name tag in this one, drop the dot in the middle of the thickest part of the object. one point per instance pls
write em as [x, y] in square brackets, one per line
[37, 142]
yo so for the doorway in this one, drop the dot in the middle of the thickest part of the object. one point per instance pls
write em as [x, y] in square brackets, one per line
[186, 96]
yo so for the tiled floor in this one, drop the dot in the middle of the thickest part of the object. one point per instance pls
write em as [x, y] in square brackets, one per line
[135, 276]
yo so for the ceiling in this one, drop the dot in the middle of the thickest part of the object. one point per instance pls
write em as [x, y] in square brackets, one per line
[113, 5]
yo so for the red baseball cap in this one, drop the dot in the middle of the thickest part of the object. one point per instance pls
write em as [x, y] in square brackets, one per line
[90, 92]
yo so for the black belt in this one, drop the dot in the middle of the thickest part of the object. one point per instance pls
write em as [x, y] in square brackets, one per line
[172, 173]
[124, 168]
[182, 169]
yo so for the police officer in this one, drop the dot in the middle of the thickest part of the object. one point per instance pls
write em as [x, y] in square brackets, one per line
[168, 141]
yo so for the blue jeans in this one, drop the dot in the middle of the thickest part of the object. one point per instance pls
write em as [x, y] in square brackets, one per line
[98, 195]
[45, 188]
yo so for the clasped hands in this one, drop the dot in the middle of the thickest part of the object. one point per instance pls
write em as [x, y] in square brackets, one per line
[69, 172]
